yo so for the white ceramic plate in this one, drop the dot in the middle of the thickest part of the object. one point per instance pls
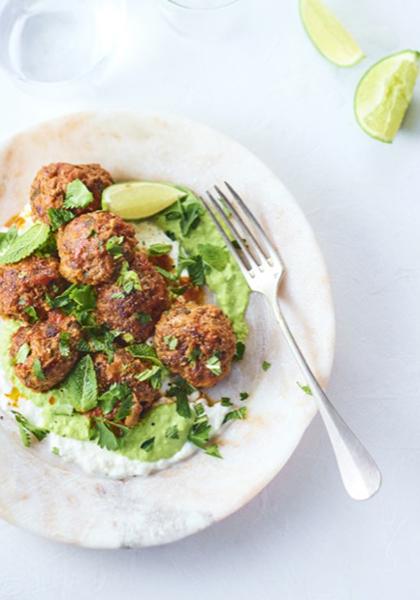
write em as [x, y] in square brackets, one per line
[61, 503]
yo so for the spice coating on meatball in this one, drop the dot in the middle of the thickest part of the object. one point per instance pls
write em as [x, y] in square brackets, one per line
[25, 287]
[138, 311]
[196, 342]
[43, 354]
[93, 247]
[48, 189]
[124, 368]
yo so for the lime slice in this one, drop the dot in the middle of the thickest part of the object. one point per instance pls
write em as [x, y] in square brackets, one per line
[384, 93]
[328, 35]
[139, 199]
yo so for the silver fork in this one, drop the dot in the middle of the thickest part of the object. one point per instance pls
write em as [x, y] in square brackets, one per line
[263, 269]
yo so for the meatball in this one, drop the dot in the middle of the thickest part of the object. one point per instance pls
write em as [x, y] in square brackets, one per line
[138, 311]
[26, 285]
[196, 342]
[48, 189]
[124, 368]
[93, 247]
[43, 354]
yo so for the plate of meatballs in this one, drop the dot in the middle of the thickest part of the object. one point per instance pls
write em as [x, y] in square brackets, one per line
[144, 394]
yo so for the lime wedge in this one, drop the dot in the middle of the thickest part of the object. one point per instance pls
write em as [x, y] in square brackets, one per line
[328, 35]
[139, 199]
[384, 93]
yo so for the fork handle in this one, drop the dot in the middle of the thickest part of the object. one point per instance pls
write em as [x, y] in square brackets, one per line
[359, 472]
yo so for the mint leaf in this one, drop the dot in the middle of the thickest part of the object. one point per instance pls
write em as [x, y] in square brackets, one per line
[80, 387]
[238, 413]
[77, 195]
[215, 256]
[159, 249]
[19, 247]
[195, 268]
[7, 237]
[26, 428]
[59, 217]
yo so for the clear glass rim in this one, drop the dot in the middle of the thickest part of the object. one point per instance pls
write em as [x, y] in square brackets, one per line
[179, 4]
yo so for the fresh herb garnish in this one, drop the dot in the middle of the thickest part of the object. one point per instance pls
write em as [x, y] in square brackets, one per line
[180, 389]
[214, 365]
[159, 249]
[171, 341]
[22, 354]
[226, 401]
[7, 238]
[14, 248]
[115, 393]
[64, 344]
[305, 388]
[103, 435]
[26, 428]
[76, 300]
[188, 211]
[55, 450]
[37, 370]
[77, 195]
[148, 445]
[214, 256]
[128, 279]
[240, 351]
[265, 365]
[59, 217]
[195, 269]
[172, 432]
[115, 246]
[32, 314]
[148, 373]
[166, 274]
[200, 432]
[80, 388]
[144, 318]
[243, 396]
[239, 413]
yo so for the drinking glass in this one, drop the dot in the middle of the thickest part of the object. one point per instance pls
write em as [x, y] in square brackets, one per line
[58, 41]
[201, 18]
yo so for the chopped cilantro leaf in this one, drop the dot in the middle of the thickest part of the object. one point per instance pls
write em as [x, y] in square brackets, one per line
[305, 388]
[64, 344]
[144, 318]
[104, 436]
[148, 444]
[194, 355]
[240, 351]
[172, 432]
[115, 246]
[214, 365]
[117, 392]
[26, 428]
[266, 365]
[213, 450]
[180, 389]
[238, 413]
[226, 401]
[128, 280]
[159, 249]
[77, 195]
[55, 451]
[166, 274]
[22, 354]
[243, 395]
[37, 370]
[195, 268]
[171, 341]
[32, 314]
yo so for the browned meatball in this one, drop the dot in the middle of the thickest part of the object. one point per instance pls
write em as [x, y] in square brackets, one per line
[48, 189]
[93, 247]
[197, 342]
[138, 311]
[123, 369]
[24, 287]
[43, 354]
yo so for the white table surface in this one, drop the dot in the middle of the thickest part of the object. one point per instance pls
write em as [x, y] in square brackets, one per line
[302, 538]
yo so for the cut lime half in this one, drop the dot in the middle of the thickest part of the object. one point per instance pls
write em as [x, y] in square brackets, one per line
[328, 35]
[139, 199]
[384, 93]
